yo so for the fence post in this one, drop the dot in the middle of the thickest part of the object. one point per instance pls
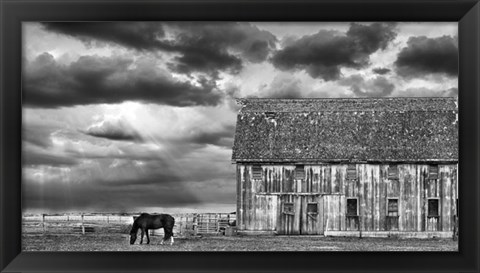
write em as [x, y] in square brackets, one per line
[83, 226]
[208, 224]
[195, 224]
[43, 223]
[180, 224]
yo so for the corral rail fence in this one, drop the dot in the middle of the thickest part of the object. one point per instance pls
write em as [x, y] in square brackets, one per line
[186, 224]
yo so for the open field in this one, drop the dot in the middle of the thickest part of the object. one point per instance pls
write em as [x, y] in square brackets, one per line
[119, 242]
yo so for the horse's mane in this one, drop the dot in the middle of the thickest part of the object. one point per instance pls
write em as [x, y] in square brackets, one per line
[135, 225]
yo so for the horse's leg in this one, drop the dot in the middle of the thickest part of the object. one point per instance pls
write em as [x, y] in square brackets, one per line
[165, 234]
[148, 237]
[168, 234]
[141, 238]
[171, 236]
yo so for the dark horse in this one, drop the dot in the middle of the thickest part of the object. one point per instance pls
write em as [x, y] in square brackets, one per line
[146, 221]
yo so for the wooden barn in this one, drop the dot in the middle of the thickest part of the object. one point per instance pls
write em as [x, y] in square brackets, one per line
[347, 167]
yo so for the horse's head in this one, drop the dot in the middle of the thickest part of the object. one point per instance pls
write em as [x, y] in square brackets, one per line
[133, 237]
[133, 231]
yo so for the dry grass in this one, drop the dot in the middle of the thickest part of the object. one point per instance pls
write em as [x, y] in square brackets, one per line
[120, 242]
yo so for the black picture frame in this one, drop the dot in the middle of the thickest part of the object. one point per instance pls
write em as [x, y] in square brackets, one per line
[14, 12]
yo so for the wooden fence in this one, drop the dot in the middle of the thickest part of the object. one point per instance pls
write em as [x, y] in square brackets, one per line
[212, 223]
[185, 224]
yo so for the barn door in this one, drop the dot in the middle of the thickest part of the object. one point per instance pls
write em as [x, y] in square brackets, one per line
[290, 212]
[311, 221]
[300, 215]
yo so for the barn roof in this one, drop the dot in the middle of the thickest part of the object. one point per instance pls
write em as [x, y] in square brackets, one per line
[347, 130]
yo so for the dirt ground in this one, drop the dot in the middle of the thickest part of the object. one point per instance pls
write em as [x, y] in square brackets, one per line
[120, 242]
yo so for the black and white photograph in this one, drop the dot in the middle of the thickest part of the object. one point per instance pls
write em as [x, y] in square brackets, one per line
[240, 136]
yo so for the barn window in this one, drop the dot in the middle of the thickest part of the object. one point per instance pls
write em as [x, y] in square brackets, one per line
[312, 208]
[392, 207]
[270, 115]
[299, 172]
[351, 172]
[257, 172]
[288, 208]
[433, 208]
[433, 172]
[352, 207]
[393, 172]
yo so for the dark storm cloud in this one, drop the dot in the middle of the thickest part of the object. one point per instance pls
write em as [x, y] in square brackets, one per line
[208, 60]
[94, 79]
[31, 158]
[424, 56]
[138, 35]
[114, 130]
[206, 47]
[376, 87]
[322, 55]
[113, 135]
[381, 71]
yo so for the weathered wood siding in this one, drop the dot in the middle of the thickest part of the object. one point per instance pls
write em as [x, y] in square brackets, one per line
[259, 201]
[334, 212]
[254, 210]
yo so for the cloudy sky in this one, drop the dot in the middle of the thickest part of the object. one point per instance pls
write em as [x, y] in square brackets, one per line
[140, 116]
